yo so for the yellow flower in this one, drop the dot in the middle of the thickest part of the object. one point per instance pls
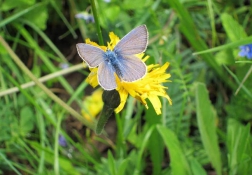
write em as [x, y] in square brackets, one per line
[149, 87]
[92, 105]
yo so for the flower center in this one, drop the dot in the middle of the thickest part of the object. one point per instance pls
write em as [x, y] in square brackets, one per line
[247, 49]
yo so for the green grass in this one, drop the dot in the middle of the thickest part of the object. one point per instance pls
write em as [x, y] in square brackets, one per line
[206, 130]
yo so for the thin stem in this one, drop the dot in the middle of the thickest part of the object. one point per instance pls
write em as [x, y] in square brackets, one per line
[56, 147]
[4, 159]
[97, 23]
[81, 23]
[43, 79]
[243, 81]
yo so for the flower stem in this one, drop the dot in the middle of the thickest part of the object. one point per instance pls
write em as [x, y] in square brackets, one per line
[104, 116]
[111, 101]
[97, 22]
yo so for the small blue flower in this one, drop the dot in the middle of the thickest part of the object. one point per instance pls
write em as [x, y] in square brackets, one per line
[86, 16]
[246, 51]
[64, 65]
[62, 141]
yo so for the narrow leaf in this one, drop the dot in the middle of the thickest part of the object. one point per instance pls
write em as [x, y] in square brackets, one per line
[179, 164]
[238, 143]
[233, 29]
[206, 118]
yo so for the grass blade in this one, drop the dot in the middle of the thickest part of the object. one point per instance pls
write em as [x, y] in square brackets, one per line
[19, 14]
[238, 144]
[64, 19]
[46, 39]
[206, 122]
[179, 164]
[141, 150]
[40, 52]
[10, 164]
[231, 45]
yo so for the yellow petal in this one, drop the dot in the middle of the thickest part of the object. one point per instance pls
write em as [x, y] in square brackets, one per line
[123, 98]
[92, 105]
[156, 103]
[92, 77]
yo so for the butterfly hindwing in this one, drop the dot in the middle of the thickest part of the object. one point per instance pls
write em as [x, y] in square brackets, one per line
[131, 68]
[92, 55]
[134, 42]
[106, 77]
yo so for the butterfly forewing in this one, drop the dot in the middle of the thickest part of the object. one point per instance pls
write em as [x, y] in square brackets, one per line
[92, 55]
[106, 77]
[132, 68]
[134, 42]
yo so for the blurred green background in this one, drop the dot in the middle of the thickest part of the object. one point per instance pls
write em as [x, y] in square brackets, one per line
[46, 129]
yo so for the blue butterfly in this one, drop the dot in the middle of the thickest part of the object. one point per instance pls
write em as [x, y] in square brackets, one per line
[120, 61]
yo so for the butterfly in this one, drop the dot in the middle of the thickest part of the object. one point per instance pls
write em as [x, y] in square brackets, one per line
[121, 61]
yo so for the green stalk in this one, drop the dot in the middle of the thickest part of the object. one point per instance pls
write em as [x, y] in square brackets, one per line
[56, 146]
[111, 101]
[97, 23]
[104, 116]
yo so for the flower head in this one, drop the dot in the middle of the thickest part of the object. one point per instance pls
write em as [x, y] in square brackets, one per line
[149, 87]
[62, 141]
[92, 105]
[246, 51]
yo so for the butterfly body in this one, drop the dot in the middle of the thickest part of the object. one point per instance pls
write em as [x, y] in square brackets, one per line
[120, 61]
[114, 61]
